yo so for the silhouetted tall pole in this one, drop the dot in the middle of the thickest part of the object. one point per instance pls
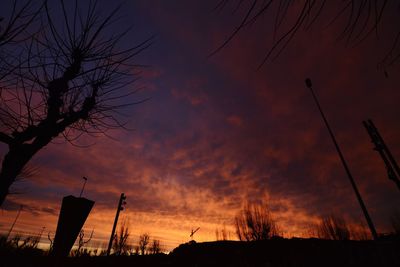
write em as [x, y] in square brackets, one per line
[83, 187]
[121, 203]
[353, 184]
[16, 218]
[392, 168]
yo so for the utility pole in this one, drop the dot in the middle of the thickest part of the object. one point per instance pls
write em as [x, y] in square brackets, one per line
[392, 168]
[349, 175]
[120, 207]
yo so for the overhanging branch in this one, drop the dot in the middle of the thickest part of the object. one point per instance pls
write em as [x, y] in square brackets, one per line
[4, 138]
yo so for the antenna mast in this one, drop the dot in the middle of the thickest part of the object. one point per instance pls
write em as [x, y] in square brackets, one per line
[392, 168]
[193, 232]
[83, 187]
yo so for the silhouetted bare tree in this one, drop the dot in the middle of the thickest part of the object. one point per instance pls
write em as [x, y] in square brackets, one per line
[13, 31]
[82, 242]
[358, 18]
[333, 228]
[68, 79]
[255, 222]
[144, 240]
[155, 247]
[120, 244]
[51, 240]
[223, 234]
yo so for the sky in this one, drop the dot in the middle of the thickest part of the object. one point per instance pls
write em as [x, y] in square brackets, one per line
[217, 131]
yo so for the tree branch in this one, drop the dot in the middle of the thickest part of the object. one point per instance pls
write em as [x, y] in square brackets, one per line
[4, 138]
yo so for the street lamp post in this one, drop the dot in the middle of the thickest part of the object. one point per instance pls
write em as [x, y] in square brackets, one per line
[349, 175]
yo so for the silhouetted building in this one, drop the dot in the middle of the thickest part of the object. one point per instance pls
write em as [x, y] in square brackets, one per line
[73, 214]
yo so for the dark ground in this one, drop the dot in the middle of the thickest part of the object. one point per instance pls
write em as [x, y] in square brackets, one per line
[279, 252]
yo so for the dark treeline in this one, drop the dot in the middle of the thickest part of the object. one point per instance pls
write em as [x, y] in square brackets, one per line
[274, 252]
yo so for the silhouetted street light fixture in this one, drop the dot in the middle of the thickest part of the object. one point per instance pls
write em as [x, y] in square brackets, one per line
[353, 184]
[83, 187]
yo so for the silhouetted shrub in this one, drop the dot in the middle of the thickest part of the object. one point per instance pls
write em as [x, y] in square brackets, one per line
[81, 251]
[29, 242]
[19, 245]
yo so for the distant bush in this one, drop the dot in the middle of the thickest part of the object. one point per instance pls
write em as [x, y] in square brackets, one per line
[255, 222]
[20, 245]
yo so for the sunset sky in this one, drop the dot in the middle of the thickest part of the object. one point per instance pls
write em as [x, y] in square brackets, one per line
[218, 132]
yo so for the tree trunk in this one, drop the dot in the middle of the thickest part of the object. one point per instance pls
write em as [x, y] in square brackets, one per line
[15, 160]
[12, 164]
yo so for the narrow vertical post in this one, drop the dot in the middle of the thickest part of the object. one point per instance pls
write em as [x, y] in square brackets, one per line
[349, 175]
[83, 187]
[120, 207]
[16, 218]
